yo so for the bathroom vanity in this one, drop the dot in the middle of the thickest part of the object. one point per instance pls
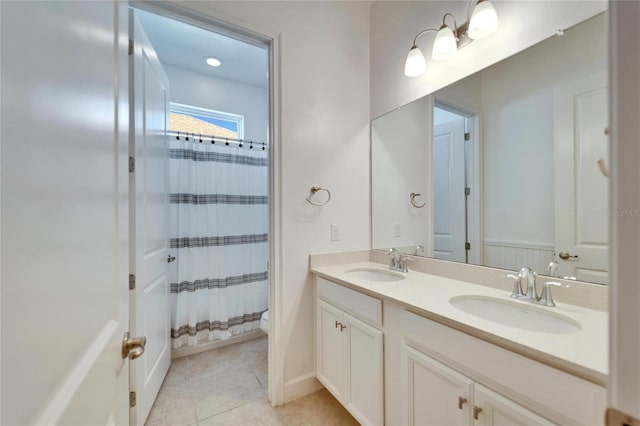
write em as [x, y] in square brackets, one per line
[425, 349]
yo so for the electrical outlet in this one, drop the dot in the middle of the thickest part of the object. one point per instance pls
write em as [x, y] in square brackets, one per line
[335, 232]
[397, 230]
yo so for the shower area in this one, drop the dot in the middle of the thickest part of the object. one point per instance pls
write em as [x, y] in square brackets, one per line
[218, 183]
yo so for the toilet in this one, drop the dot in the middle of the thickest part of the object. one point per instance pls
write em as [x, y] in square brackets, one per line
[264, 322]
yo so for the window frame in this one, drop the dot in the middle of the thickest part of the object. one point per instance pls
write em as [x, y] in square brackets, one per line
[210, 113]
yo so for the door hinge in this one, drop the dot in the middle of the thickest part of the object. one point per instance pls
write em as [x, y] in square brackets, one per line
[132, 399]
[467, 136]
[467, 191]
[132, 282]
[132, 164]
[130, 46]
[467, 246]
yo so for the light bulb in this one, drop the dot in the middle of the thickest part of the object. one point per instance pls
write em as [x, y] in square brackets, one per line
[415, 64]
[213, 62]
[445, 45]
[484, 20]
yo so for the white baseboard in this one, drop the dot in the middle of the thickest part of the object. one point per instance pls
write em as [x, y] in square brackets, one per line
[207, 346]
[301, 386]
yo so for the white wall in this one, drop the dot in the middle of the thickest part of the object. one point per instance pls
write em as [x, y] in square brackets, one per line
[192, 88]
[400, 159]
[394, 24]
[324, 141]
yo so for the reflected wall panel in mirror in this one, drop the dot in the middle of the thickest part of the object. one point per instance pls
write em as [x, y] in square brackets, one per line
[506, 163]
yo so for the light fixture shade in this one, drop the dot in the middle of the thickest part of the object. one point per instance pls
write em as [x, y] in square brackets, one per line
[415, 64]
[484, 20]
[445, 45]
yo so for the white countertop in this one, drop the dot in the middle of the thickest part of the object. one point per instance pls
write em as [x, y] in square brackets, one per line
[583, 353]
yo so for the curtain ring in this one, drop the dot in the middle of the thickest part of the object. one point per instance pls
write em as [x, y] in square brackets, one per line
[412, 198]
[315, 189]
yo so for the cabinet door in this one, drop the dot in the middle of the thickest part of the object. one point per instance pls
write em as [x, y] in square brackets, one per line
[499, 411]
[330, 362]
[433, 394]
[363, 351]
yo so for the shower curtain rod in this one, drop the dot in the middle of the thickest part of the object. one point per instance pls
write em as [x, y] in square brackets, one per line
[213, 139]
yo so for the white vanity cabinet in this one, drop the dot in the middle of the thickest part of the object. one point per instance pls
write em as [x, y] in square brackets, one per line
[439, 365]
[349, 349]
[439, 395]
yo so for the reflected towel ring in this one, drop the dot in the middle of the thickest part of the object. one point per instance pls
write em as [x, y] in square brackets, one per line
[315, 189]
[412, 198]
[603, 168]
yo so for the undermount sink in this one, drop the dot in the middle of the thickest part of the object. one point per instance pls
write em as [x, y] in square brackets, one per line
[373, 274]
[516, 314]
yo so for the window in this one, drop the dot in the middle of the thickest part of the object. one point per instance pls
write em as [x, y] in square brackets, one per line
[202, 121]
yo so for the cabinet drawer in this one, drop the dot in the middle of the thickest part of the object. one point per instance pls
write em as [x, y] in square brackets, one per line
[554, 394]
[357, 304]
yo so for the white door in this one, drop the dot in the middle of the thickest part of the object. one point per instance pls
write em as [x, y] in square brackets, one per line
[581, 189]
[65, 297]
[149, 221]
[492, 409]
[330, 348]
[433, 394]
[448, 191]
[365, 372]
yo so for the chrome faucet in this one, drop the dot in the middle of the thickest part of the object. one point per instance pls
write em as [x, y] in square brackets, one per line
[531, 294]
[403, 263]
[518, 292]
[395, 259]
[398, 260]
[552, 268]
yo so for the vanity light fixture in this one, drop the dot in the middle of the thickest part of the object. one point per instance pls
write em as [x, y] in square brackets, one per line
[483, 22]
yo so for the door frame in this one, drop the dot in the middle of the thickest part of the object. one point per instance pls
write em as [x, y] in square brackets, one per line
[240, 30]
[473, 176]
[623, 389]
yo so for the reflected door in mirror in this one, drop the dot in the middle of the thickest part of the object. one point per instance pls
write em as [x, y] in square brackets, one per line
[449, 225]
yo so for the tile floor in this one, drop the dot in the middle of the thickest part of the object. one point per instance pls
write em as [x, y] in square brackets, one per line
[228, 386]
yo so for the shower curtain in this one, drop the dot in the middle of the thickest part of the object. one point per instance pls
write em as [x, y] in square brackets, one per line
[219, 224]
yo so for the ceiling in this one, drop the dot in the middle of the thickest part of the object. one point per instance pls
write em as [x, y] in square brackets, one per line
[186, 46]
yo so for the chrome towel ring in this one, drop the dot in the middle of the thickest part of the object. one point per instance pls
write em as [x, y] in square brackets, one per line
[412, 198]
[315, 189]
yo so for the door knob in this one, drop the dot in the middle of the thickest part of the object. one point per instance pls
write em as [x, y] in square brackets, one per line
[133, 347]
[566, 256]
[170, 258]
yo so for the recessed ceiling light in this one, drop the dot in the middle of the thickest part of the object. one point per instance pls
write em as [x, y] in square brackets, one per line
[214, 62]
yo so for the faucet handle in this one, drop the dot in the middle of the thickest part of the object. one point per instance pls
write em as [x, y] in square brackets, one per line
[515, 293]
[556, 284]
[402, 263]
[546, 298]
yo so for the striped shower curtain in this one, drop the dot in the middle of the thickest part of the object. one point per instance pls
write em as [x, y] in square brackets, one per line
[219, 224]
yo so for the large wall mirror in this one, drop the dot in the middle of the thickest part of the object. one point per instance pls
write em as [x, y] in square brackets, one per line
[505, 168]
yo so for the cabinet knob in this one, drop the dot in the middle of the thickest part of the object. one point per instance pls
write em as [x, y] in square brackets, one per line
[342, 327]
[337, 324]
[461, 402]
[476, 410]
